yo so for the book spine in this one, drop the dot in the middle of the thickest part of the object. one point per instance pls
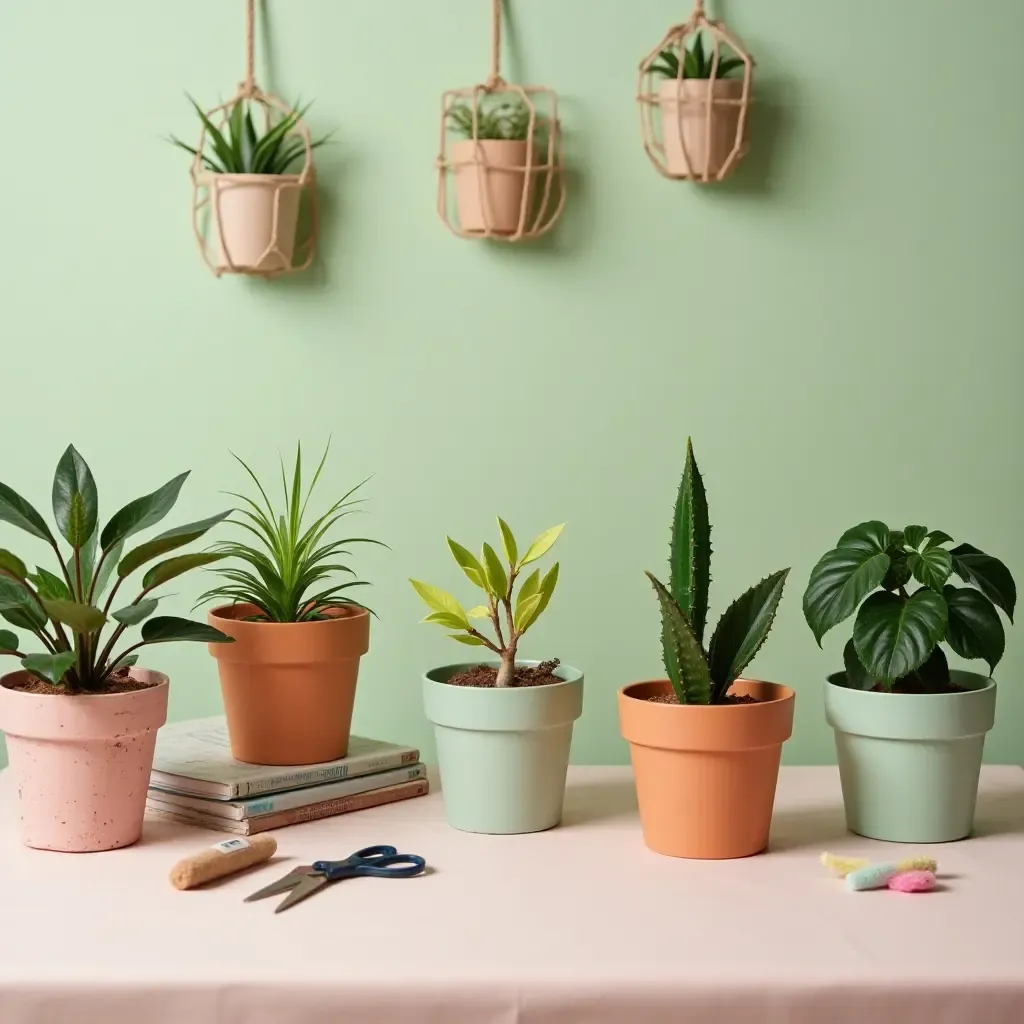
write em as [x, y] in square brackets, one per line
[330, 773]
[343, 805]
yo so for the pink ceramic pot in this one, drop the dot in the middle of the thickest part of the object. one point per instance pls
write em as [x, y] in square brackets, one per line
[82, 763]
[490, 182]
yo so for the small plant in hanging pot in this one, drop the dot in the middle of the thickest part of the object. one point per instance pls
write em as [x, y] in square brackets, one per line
[694, 93]
[289, 683]
[81, 718]
[503, 730]
[706, 743]
[909, 731]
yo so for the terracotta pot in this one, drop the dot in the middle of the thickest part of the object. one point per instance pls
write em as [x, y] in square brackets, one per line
[684, 125]
[490, 181]
[246, 228]
[81, 763]
[705, 774]
[289, 687]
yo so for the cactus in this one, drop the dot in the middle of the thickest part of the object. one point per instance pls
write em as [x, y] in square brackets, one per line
[699, 675]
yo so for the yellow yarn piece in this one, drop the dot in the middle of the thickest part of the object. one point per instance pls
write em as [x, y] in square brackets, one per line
[843, 866]
[918, 864]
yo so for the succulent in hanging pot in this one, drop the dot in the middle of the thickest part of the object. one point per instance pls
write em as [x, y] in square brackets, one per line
[81, 717]
[503, 730]
[909, 731]
[255, 165]
[706, 743]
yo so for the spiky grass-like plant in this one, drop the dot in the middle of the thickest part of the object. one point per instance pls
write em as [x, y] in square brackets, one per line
[696, 63]
[507, 121]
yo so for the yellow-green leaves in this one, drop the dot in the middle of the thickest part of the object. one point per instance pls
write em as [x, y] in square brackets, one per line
[468, 563]
[542, 545]
[447, 611]
[508, 542]
[465, 638]
[497, 580]
[10, 562]
[481, 611]
[538, 594]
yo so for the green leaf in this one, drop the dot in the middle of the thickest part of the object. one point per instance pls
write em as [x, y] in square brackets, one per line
[508, 542]
[988, 574]
[845, 575]
[169, 541]
[133, 614]
[82, 618]
[75, 501]
[481, 611]
[11, 563]
[974, 629]
[8, 640]
[529, 587]
[898, 574]
[686, 667]
[690, 547]
[14, 509]
[142, 513]
[934, 673]
[50, 667]
[125, 661]
[542, 544]
[449, 620]
[469, 564]
[469, 641]
[545, 589]
[48, 586]
[937, 537]
[742, 629]
[931, 567]
[915, 535]
[171, 567]
[19, 607]
[856, 674]
[728, 65]
[106, 570]
[497, 580]
[895, 635]
[168, 628]
[524, 611]
[438, 599]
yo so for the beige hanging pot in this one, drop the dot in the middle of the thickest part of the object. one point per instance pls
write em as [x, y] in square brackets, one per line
[500, 157]
[252, 167]
[694, 95]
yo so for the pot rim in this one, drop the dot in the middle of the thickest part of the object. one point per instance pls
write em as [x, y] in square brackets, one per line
[787, 693]
[990, 684]
[347, 616]
[250, 178]
[671, 87]
[164, 681]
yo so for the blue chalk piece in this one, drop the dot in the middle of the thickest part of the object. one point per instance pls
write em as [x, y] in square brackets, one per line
[874, 876]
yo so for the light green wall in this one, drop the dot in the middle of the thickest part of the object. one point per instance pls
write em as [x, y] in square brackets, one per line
[840, 329]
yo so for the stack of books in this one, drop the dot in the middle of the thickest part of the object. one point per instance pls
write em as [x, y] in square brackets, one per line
[195, 780]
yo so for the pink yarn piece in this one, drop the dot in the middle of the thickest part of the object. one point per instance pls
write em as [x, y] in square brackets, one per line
[912, 881]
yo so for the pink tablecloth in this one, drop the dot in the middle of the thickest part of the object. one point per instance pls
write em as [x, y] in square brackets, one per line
[581, 924]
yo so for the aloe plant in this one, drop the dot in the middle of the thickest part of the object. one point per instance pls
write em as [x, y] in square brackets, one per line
[702, 674]
[498, 582]
[696, 62]
[897, 633]
[62, 610]
[507, 120]
[238, 148]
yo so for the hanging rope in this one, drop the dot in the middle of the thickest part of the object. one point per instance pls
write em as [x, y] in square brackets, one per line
[495, 79]
[698, 8]
[248, 86]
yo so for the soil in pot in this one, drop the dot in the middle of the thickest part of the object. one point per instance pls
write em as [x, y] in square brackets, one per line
[120, 681]
[524, 675]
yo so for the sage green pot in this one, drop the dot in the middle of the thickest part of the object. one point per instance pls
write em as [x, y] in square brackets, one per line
[503, 753]
[909, 763]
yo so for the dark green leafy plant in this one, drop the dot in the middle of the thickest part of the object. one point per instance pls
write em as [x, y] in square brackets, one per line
[237, 147]
[699, 674]
[696, 63]
[62, 611]
[897, 633]
[291, 558]
[507, 120]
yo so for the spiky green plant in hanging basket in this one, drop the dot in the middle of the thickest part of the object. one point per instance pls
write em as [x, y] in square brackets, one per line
[697, 63]
[702, 674]
[505, 120]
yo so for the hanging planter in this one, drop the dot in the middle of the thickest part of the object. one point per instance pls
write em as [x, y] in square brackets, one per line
[694, 95]
[500, 156]
[250, 169]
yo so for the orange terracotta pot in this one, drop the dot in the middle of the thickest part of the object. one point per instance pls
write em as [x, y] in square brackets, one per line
[705, 774]
[289, 687]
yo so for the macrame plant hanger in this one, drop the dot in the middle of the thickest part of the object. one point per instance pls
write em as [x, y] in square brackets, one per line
[506, 189]
[255, 216]
[694, 127]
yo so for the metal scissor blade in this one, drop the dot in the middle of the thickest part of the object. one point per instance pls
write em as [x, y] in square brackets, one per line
[289, 881]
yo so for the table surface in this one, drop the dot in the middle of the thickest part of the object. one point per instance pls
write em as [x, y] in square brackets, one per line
[581, 923]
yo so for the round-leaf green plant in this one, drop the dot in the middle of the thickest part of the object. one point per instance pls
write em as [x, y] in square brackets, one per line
[898, 630]
[62, 609]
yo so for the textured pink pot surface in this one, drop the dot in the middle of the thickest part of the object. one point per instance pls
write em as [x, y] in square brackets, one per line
[82, 763]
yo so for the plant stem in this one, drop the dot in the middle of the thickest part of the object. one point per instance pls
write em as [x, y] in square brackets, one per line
[496, 621]
[506, 670]
[63, 568]
[96, 576]
[108, 649]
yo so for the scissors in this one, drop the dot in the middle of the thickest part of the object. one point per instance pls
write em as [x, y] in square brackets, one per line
[374, 862]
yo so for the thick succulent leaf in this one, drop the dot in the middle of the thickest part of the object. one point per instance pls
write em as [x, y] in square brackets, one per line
[172, 567]
[931, 567]
[742, 629]
[468, 563]
[988, 574]
[690, 547]
[542, 544]
[48, 586]
[10, 562]
[508, 542]
[50, 667]
[75, 501]
[142, 513]
[915, 535]
[497, 580]
[14, 509]
[894, 635]
[82, 618]
[975, 629]
[133, 614]
[167, 628]
[845, 575]
[857, 675]
[687, 667]
[169, 541]
[18, 606]
[8, 640]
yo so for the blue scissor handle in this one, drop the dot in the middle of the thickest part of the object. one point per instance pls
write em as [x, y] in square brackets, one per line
[377, 861]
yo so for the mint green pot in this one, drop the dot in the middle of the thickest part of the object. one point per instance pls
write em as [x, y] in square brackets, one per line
[909, 763]
[503, 754]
